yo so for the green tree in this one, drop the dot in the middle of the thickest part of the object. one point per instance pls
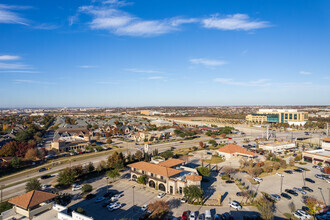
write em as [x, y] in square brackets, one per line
[113, 174]
[66, 176]
[204, 171]
[32, 184]
[266, 208]
[213, 143]
[109, 141]
[4, 206]
[90, 167]
[193, 192]
[87, 188]
[167, 154]
[138, 155]
[15, 162]
[142, 179]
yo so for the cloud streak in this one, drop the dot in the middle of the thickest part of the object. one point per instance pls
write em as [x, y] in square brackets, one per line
[234, 22]
[228, 81]
[8, 57]
[9, 16]
[27, 81]
[14, 66]
[134, 70]
[208, 62]
[305, 73]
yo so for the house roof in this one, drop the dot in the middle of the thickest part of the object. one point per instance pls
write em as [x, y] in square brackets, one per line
[326, 139]
[194, 177]
[171, 162]
[32, 199]
[233, 148]
[155, 168]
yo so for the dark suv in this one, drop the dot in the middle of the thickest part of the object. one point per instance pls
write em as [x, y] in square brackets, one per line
[306, 188]
[309, 180]
[292, 192]
[285, 195]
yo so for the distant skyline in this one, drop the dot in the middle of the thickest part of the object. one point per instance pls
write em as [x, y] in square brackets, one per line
[111, 53]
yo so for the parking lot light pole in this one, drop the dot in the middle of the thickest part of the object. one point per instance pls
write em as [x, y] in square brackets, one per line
[281, 182]
[133, 199]
[303, 178]
[322, 195]
[107, 184]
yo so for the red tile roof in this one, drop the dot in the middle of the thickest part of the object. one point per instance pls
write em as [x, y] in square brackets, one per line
[233, 148]
[155, 168]
[326, 139]
[31, 199]
[194, 177]
[171, 162]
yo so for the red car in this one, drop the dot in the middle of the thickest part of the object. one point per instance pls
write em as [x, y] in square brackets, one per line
[229, 138]
[184, 215]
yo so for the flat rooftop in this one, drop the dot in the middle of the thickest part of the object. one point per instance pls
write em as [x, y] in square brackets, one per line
[320, 152]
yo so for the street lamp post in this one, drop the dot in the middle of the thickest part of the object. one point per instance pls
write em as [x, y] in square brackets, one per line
[303, 178]
[322, 194]
[133, 199]
[107, 184]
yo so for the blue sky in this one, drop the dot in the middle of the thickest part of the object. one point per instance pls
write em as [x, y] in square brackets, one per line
[160, 53]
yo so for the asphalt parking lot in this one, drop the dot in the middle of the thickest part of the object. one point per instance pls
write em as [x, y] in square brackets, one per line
[272, 185]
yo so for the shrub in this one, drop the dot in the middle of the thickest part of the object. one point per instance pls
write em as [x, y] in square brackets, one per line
[80, 210]
[87, 188]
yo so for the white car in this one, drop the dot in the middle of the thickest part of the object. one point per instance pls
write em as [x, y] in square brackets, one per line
[299, 216]
[183, 200]
[328, 181]
[280, 174]
[76, 187]
[319, 176]
[113, 206]
[192, 216]
[161, 195]
[45, 186]
[235, 205]
[299, 190]
[144, 208]
[275, 197]
[115, 197]
[99, 199]
[303, 213]
[257, 179]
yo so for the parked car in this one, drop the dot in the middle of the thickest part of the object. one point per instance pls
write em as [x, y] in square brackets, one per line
[288, 171]
[298, 215]
[257, 179]
[184, 215]
[239, 194]
[235, 205]
[201, 216]
[99, 199]
[144, 207]
[299, 190]
[309, 180]
[183, 200]
[76, 187]
[243, 171]
[192, 216]
[114, 206]
[208, 215]
[229, 181]
[292, 192]
[217, 217]
[45, 186]
[306, 188]
[161, 195]
[279, 174]
[305, 214]
[227, 216]
[319, 176]
[275, 197]
[115, 197]
[285, 195]
[299, 170]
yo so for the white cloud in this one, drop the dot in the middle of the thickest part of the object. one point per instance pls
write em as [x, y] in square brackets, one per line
[8, 16]
[87, 67]
[228, 81]
[18, 71]
[13, 66]
[234, 22]
[119, 22]
[108, 83]
[155, 77]
[27, 81]
[142, 71]
[8, 57]
[305, 73]
[208, 62]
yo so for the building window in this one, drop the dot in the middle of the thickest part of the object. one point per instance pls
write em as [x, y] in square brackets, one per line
[290, 116]
[142, 171]
[295, 116]
[286, 116]
[134, 169]
[152, 174]
[161, 177]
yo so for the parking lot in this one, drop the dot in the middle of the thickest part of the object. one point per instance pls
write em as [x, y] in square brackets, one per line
[144, 195]
[272, 185]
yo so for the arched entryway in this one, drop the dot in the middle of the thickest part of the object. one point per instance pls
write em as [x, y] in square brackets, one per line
[162, 187]
[134, 177]
[152, 184]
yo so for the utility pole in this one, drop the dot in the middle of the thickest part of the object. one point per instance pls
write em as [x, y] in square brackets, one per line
[107, 184]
